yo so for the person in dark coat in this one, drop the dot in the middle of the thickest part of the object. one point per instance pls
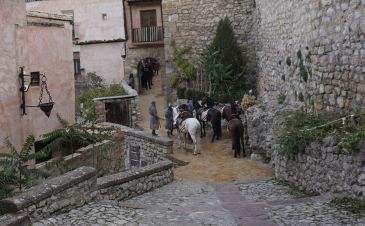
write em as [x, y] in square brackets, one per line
[155, 120]
[169, 121]
[146, 76]
[131, 81]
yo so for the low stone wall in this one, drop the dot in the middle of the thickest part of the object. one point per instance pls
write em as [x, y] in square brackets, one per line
[81, 186]
[55, 195]
[324, 168]
[142, 149]
[106, 157]
[126, 185]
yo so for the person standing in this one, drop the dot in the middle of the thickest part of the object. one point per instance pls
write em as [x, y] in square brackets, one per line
[169, 120]
[154, 121]
[131, 81]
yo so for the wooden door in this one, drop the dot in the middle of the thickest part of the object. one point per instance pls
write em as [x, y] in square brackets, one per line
[118, 112]
[148, 18]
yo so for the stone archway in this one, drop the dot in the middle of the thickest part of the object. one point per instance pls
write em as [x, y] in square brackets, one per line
[135, 56]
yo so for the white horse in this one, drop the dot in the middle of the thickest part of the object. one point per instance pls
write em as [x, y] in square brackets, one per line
[188, 126]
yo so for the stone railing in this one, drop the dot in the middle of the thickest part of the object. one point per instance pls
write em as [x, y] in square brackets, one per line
[126, 185]
[324, 168]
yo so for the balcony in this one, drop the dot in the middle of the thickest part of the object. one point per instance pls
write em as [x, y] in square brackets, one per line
[146, 35]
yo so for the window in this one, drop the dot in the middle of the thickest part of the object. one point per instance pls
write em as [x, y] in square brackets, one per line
[77, 67]
[104, 16]
[148, 18]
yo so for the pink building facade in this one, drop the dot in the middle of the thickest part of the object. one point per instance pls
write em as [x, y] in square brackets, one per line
[39, 43]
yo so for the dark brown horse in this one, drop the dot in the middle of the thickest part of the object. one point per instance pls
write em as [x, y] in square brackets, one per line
[214, 117]
[232, 110]
[236, 130]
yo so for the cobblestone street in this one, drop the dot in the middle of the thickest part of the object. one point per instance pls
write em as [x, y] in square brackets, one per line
[194, 203]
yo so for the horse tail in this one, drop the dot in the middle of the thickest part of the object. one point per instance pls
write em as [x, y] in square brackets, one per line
[237, 138]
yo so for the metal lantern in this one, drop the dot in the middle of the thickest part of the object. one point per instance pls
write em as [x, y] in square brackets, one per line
[46, 107]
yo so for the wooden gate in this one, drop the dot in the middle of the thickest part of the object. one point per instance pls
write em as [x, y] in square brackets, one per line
[118, 112]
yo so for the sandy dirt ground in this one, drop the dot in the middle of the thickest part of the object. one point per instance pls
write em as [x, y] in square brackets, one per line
[215, 163]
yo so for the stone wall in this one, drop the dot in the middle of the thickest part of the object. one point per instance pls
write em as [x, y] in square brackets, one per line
[106, 157]
[125, 185]
[142, 149]
[59, 194]
[193, 23]
[78, 187]
[330, 36]
[325, 168]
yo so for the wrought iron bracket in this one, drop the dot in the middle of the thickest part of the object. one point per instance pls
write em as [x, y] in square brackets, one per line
[45, 107]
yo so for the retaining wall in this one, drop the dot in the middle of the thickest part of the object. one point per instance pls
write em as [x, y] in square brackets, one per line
[324, 167]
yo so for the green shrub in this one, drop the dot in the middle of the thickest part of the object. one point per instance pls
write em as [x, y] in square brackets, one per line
[354, 206]
[88, 112]
[180, 92]
[302, 128]
[174, 81]
[15, 172]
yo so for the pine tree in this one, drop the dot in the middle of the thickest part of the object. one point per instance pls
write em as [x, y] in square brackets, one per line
[230, 55]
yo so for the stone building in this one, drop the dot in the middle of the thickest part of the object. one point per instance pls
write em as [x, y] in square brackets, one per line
[39, 43]
[145, 33]
[328, 35]
[98, 35]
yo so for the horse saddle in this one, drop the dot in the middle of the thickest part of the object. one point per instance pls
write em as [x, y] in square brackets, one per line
[182, 127]
[204, 116]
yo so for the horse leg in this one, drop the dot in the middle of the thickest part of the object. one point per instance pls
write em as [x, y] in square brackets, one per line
[237, 150]
[194, 142]
[214, 133]
[179, 138]
[185, 140]
[243, 145]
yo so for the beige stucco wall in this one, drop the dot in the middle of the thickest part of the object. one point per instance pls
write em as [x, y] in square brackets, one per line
[104, 59]
[12, 19]
[89, 23]
[50, 52]
[37, 48]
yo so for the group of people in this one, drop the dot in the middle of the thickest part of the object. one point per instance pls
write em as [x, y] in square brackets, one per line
[155, 119]
[150, 67]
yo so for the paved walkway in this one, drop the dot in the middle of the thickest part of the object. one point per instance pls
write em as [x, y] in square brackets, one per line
[194, 203]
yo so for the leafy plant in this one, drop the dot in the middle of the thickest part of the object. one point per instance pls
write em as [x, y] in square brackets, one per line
[248, 101]
[303, 128]
[180, 92]
[15, 171]
[220, 76]
[68, 138]
[174, 81]
[187, 70]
